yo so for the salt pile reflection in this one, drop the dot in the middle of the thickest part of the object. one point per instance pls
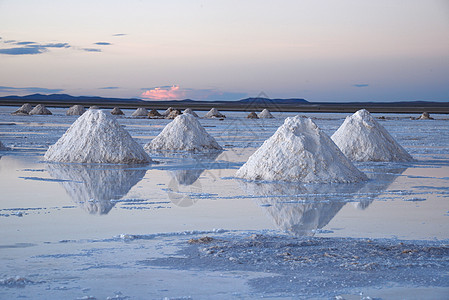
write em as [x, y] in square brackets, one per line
[304, 209]
[94, 187]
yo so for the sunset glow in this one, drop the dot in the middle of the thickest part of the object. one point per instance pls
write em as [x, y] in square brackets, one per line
[164, 93]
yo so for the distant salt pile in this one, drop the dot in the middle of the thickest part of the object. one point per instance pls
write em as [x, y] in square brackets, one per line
[425, 116]
[3, 147]
[94, 107]
[184, 133]
[97, 137]
[214, 113]
[116, 111]
[190, 111]
[140, 112]
[154, 114]
[23, 110]
[252, 115]
[168, 111]
[40, 110]
[173, 114]
[265, 114]
[76, 110]
[362, 138]
[299, 151]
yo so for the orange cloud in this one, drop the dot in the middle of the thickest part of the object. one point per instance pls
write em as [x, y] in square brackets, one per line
[164, 93]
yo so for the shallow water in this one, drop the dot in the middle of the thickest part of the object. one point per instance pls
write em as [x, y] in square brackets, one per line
[48, 209]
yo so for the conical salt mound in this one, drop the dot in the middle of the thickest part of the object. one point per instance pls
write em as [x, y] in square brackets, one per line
[154, 114]
[97, 137]
[214, 113]
[362, 138]
[173, 114]
[190, 111]
[168, 111]
[140, 112]
[40, 110]
[94, 107]
[252, 115]
[184, 133]
[116, 111]
[75, 110]
[299, 151]
[23, 110]
[265, 114]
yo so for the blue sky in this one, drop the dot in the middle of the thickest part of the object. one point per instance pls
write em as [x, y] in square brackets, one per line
[226, 50]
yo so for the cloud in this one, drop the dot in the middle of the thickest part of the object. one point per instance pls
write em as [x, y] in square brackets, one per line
[9, 89]
[119, 34]
[91, 49]
[109, 88]
[23, 50]
[24, 43]
[55, 45]
[175, 92]
[359, 85]
[102, 43]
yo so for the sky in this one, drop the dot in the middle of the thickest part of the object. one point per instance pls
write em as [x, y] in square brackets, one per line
[318, 50]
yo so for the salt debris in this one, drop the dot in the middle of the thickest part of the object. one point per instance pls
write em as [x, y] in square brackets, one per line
[23, 110]
[97, 137]
[3, 147]
[362, 138]
[299, 151]
[116, 111]
[140, 112]
[214, 113]
[265, 114]
[184, 133]
[40, 110]
[190, 111]
[76, 110]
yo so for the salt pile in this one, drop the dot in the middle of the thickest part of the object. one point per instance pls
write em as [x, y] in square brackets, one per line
[173, 114]
[40, 110]
[168, 111]
[214, 113]
[96, 137]
[116, 111]
[252, 115]
[75, 110]
[23, 110]
[425, 116]
[154, 114]
[184, 133]
[265, 114]
[94, 107]
[140, 112]
[190, 111]
[299, 151]
[362, 138]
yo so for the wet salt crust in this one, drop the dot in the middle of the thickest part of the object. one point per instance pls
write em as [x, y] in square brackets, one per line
[362, 138]
[299, 151]
[184, 133]
[96, 137]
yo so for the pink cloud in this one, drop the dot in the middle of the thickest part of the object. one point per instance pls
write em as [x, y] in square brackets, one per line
[164, 93]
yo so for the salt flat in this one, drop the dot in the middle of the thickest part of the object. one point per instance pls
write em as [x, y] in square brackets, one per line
[80, 231]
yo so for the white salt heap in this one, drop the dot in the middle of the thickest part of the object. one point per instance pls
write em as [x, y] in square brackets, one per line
[190, 111]
[75, 110]
[97, 137]
[184, 133]
[23, 110]
[299, 151]
[362, 138]
[40, 110]
[168, 111]
[265, 114]
[140, 112]
[116, 111]
[214, 113]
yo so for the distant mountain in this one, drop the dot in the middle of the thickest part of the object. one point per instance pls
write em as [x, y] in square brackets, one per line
[69, 98]
[273, 101]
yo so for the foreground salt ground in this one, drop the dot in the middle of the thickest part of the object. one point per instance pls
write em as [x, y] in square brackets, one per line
[55, 244]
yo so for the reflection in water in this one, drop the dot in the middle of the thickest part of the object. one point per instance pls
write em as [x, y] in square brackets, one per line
[192, 166]
[302, 209]
[93, 186]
